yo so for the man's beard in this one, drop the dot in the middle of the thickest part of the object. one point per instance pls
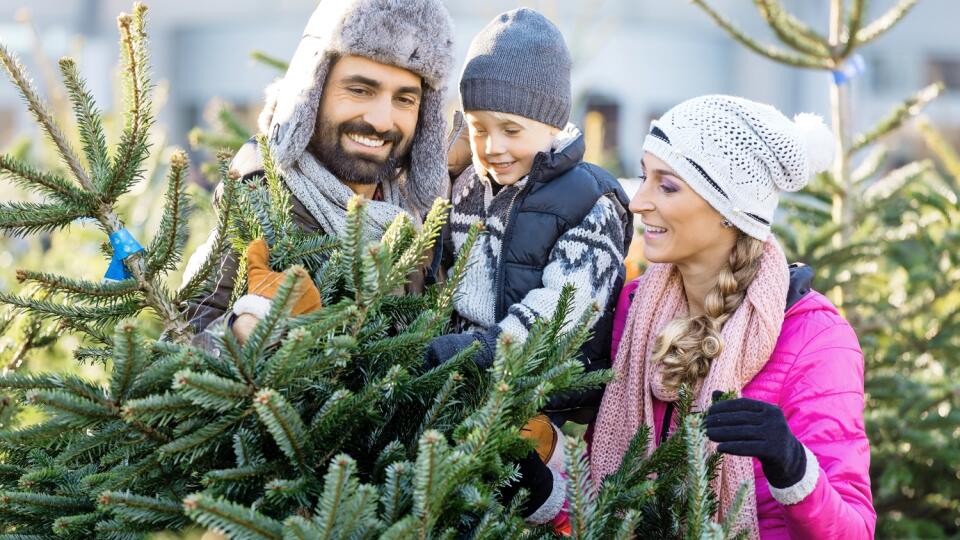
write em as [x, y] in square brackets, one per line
[326, 146]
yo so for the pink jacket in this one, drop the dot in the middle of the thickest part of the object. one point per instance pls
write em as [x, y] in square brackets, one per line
[815, 375]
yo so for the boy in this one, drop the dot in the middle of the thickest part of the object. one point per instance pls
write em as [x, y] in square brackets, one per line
[550, 218]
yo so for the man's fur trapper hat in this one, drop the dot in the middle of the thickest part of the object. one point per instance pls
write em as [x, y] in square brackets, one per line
[416, 35]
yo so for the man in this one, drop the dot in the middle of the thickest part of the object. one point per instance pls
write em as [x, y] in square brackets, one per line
[359, 111]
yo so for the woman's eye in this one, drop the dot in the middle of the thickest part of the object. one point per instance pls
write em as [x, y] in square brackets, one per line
[667, 187]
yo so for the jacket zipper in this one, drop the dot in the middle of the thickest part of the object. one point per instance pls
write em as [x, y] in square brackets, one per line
[665, 429]
[498, 279]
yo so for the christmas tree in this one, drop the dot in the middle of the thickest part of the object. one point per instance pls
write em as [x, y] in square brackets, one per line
[881, 232]
[325, 425]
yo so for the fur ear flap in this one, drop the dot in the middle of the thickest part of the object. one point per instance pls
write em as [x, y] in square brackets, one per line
[427, 176]
[296, 101]
[269, 105]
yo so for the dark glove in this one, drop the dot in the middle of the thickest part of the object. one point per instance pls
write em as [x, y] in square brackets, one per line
[536, 478]
[443, 348]
[747, 427]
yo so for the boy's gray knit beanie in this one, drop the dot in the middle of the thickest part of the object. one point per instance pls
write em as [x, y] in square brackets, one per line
[519, 64]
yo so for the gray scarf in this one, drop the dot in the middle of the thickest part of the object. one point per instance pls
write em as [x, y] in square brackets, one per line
[326, 197]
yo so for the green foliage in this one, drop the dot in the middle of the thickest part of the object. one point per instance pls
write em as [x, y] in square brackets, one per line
[883, 239]
[237, 438]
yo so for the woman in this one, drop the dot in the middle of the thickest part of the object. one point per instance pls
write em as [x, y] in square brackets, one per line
[712, 312]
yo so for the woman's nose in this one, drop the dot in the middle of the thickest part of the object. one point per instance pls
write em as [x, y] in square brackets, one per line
[641, 202]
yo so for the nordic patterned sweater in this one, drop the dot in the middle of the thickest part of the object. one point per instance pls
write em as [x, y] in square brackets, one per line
[588, 255]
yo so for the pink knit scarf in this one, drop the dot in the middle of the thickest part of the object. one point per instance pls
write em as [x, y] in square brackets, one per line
[749, 336]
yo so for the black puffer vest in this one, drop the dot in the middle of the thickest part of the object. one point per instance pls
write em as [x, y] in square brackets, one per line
[561, 190]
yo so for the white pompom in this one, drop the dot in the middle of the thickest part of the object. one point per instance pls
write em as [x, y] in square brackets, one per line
[818, 139]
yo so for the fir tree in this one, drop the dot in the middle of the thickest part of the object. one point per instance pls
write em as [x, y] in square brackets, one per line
[882, 238]
[324, 425]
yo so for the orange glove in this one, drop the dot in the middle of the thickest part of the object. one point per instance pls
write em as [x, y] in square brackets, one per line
[262, 281]
[540, 430]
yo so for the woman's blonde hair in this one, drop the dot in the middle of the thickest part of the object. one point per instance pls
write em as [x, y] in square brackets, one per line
[688, 345]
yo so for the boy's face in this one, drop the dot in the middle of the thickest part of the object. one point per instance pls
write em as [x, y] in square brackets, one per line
[505, 144]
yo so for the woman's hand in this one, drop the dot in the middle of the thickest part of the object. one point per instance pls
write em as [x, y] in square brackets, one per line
[748, 427]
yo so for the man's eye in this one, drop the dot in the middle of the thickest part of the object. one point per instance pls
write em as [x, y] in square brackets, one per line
[512, 132]
[358, 91]
[407, 101]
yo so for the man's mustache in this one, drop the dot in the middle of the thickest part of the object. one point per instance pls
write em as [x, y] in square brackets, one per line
[359, 127]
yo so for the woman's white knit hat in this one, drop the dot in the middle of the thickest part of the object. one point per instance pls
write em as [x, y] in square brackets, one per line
[739, 154]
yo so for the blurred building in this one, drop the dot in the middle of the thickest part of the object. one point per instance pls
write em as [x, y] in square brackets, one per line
[633, 58]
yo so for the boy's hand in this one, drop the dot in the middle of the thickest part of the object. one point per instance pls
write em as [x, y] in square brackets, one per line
[262, 285]
[443, 348]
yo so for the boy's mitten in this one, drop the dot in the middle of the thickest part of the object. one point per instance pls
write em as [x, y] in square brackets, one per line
[445, 347]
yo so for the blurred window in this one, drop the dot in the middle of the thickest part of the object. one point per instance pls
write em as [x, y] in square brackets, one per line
[946, 69]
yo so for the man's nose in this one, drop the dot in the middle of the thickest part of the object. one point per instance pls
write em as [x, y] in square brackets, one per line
[380, 114]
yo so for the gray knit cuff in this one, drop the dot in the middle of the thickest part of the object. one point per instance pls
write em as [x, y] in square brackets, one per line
[799, 491]
[505, 97]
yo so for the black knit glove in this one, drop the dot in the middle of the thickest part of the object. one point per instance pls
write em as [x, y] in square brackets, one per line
[747, 427]
[536, 478]
[443, 348]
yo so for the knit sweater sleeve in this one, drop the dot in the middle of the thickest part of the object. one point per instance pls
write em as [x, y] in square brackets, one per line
[587, 256]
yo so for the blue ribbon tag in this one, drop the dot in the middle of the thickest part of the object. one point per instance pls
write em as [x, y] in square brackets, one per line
[124, 245]
[853, 67]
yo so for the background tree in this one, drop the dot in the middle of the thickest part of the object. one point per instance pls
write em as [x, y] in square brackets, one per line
[883, 238]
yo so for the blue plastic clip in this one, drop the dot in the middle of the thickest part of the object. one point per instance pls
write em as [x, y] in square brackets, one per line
[850, 69]
[124, 245]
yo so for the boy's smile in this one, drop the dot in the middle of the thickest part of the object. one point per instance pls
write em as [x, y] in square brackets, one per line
[504, 145]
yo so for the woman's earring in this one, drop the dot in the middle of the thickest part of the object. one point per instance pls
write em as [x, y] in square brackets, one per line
[726, 224]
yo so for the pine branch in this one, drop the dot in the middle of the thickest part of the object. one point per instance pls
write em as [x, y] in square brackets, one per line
[92, 138]
[67, 408]
[885, 22]
[194, 445]
[284, 424]
[133, 147]
[338, 485]
[166, 249]
[903, 112]
[773, 53]
[129, 357]
[396, 498]
[95, 314]
[35, 105]
[233, 519]
[194, 284]
[79, 290]
[158, 409]
[791, 31]
[211, 391]
[271, 61]
[699, 507]
[48, 184]
[25, 218]
[153, 511]
[579, 488]
[852, 30]
[945, 154]
[43, 503]
[271, 327]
